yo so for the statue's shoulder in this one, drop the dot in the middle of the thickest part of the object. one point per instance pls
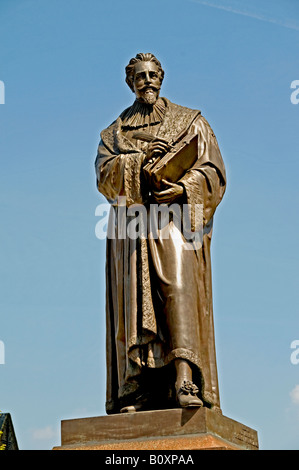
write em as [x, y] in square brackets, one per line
[108, 134]
[175, 107]
[185, 113]
[177, 118]
[193, 115]
[178, 109]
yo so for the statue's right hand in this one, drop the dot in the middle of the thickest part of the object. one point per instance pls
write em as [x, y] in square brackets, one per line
[156, 148]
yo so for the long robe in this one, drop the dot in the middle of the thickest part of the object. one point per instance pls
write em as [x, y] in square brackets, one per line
[158, 294]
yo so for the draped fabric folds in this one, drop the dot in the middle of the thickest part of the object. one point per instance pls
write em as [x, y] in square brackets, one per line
[158, 293]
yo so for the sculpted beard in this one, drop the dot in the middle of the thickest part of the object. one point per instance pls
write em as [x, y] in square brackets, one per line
[149, 94]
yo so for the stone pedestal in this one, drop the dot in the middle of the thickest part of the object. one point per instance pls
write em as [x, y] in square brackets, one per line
[174, 429]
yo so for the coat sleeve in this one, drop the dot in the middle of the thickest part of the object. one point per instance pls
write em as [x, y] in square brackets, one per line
[119, 175]
[205, 182]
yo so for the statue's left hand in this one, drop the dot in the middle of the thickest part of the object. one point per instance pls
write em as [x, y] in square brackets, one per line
[171, 193]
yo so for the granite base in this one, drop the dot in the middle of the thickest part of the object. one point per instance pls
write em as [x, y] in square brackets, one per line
[173, 429]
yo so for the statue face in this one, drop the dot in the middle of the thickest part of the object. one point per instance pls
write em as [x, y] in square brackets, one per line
[146, 82]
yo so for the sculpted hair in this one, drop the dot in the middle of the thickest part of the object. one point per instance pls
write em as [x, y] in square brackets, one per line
[141, 57]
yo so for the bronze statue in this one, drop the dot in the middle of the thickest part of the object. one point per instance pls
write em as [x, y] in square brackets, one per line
[160, 332]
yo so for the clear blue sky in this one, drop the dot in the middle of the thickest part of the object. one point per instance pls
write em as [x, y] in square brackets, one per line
[62, 63]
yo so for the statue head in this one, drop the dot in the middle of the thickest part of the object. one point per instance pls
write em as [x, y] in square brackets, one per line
[144, 75]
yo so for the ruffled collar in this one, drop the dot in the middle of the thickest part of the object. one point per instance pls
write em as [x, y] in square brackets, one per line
[143, 115]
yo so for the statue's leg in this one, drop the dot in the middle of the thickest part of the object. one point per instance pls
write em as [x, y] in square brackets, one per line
[175, 275]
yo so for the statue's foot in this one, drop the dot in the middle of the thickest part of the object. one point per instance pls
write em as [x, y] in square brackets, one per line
[186, 395]
[130, 409]
[141, 404]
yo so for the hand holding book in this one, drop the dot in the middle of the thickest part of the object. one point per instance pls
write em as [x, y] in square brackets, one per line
[166, 162]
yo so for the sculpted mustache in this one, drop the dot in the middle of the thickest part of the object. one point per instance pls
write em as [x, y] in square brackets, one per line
[151, 87]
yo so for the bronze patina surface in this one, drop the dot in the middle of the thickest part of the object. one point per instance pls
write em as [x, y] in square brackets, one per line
[160, 329]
